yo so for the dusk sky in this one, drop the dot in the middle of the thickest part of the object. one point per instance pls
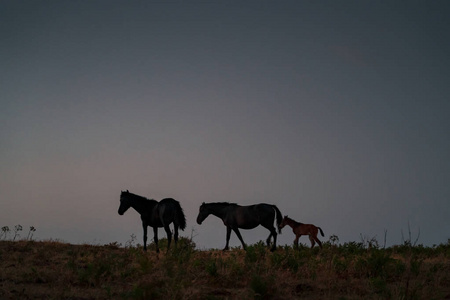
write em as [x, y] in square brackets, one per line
[338, 112]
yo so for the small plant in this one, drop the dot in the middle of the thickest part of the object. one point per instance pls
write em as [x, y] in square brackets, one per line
[340, 265]
[369, 243]
[353, 248]
[255, 252]
[17, 229]
[130, 243]
[334, 240]
[408, 242]
[292, 263]
[261, 286]
[145, 263]
[211, 268]
[51, 269]
[30, 233]
[5, 232]
[251, 255]
[183, 251]
[378, 263]
[379, 286]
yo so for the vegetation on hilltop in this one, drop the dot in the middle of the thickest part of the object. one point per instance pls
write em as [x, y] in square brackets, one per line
[55, 270]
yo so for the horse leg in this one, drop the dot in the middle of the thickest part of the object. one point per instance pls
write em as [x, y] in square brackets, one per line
[239, 236]
[318, 242]
[268, 239]
[169, 236]
[144, 226]
[175, 236]
[312, 241]
[155, 237]
[296, 241]
[273, 233]
[228, 238]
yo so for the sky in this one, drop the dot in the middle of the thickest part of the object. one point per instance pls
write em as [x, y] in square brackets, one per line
[337, 112]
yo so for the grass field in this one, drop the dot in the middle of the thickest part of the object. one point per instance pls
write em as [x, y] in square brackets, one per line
[56, 270]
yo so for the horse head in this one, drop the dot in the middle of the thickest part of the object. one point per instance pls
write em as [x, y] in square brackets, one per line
[283, 222]
[124, 203]
[202, 214]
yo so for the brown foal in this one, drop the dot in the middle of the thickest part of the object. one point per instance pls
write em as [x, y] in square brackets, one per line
[300, 229]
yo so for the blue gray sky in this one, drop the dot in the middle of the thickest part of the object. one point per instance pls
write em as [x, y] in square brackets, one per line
[335, 111]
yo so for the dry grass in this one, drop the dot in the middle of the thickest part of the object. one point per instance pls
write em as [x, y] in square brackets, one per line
[54, 270]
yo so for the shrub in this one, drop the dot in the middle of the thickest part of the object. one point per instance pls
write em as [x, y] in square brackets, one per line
[261, 286]
[378, 262]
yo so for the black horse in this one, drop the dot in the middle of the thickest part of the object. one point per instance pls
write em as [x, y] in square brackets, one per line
[246, 217]
[155, 214]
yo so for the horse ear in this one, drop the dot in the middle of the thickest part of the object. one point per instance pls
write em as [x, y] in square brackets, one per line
[127, 191]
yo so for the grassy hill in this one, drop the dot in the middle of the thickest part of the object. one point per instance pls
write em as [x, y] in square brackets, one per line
[55, 270]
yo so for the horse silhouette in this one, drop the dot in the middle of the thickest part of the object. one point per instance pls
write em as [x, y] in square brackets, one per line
[246, 217]
[155, 214]
[300, 229]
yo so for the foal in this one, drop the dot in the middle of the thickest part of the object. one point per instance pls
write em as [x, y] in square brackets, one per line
[302, 229]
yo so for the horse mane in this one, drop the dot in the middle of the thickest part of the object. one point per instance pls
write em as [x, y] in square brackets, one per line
[219, 203]
[300, 223]
[225, 203]
[138, 196]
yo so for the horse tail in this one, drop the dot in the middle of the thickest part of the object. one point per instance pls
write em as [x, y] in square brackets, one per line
[321, 232]
[179, 215]
[279, 217]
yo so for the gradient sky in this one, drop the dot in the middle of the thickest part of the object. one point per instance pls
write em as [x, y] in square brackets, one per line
[335, 111]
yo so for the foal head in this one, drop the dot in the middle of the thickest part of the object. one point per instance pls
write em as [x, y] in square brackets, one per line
[284, 222]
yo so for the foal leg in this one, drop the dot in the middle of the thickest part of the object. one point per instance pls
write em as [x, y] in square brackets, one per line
[318, 242]
[312, 241]
[240, 237]
[296, 241]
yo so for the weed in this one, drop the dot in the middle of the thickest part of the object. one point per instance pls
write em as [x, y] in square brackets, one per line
[250, 255]
[278, 258]
[130, 243]
[255, 252]
[17, 229]
[353, 248]
[377, 263]
[260, 286]
[53, 269]
[5, 232]
[145, 263]
[369, 243]
[211, 268]
[340, 265]
[380, 286]
[30, 233]
[334, 240]
[292, 263]
[415, 265]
